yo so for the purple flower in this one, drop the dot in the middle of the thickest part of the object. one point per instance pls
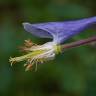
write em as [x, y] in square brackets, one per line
[58, 31]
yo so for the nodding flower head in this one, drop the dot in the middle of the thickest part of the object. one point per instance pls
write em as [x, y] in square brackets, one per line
[57, 31]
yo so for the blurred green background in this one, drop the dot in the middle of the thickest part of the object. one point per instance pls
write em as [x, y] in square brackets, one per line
[70, 74]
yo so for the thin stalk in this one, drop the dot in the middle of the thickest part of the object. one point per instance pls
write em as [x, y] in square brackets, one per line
[79, 43]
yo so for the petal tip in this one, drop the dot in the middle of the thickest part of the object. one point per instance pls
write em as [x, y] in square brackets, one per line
[25, 24]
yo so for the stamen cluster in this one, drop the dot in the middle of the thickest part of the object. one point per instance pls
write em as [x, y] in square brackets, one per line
[36, 54]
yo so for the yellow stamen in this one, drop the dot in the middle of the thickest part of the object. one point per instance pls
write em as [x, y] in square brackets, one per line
[37, 54]
[25, 57]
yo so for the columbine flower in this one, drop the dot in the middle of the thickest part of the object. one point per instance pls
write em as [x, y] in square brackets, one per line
[57, 31]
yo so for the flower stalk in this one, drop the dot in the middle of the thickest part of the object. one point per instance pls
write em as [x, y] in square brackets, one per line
[78, 43]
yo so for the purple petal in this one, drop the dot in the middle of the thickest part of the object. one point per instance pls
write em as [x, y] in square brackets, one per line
[59, 31]
[35, 30]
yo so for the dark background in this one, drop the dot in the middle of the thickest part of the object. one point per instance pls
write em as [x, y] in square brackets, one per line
[72, 73]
